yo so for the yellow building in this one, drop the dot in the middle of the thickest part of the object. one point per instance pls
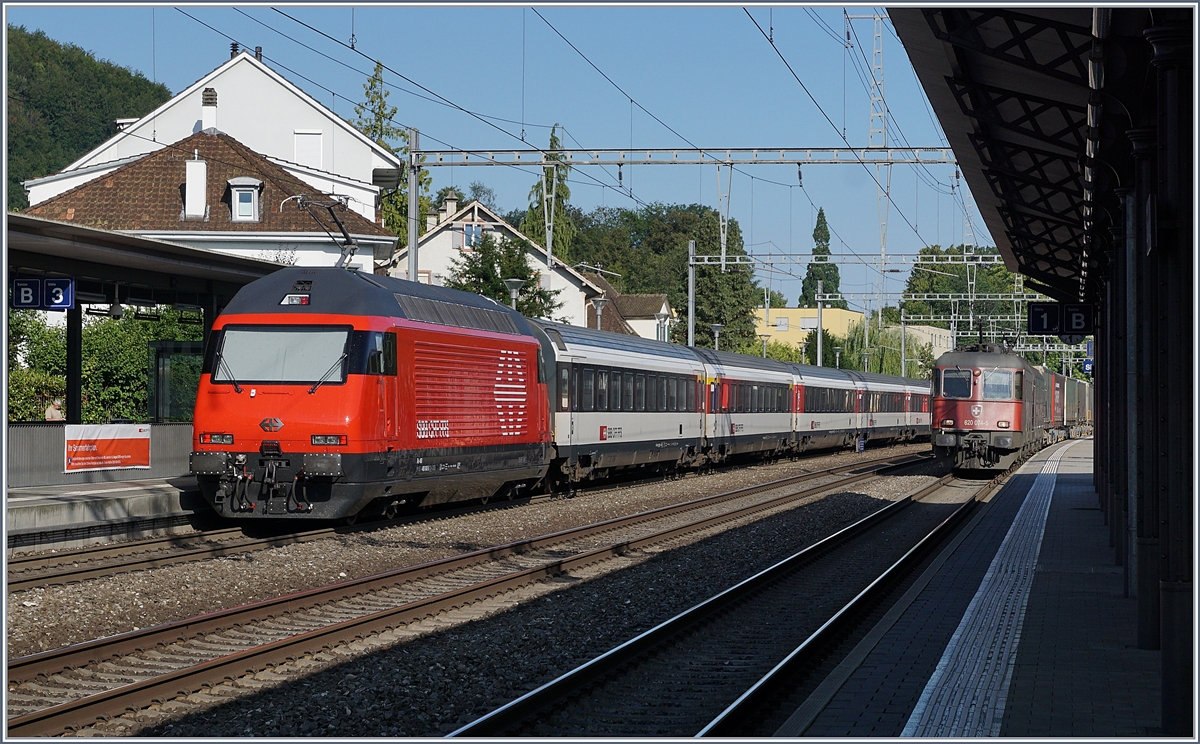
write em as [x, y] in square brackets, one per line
[791, 325]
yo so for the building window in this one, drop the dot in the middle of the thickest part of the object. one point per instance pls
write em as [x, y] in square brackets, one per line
[781, 324]
[243, 199]
[472, 234]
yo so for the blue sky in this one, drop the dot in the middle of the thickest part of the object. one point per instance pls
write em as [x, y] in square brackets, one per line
[708, 73]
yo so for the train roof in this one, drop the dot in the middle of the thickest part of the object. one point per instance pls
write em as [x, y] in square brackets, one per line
[730, 359]
[981, 359]
[576, 336]
[870, 377]
[334, 291]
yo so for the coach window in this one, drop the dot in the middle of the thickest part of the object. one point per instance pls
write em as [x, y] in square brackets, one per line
[691, 394]
[589, 389]
[602, 390]
[640, 393]
[673, 394]
[564, 387]
[614, 391]
[662, 392]
[628, 397]
[956, 383]
[651, 393]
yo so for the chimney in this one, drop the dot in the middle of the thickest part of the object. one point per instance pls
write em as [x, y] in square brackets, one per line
[449, 205]
[195, 201]
[431, 221]
[208, 109]
[258, 53]
[233, 49]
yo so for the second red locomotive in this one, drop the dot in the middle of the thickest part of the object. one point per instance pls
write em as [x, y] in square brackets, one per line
[991, 407]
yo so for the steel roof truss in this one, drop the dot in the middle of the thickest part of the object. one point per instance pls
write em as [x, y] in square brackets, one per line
[1052, 122]
[1006, 35]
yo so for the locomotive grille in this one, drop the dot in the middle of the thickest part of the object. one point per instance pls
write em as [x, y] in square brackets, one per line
[479, 392]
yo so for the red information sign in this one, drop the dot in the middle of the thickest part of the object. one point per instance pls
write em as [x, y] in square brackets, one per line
[106, 447]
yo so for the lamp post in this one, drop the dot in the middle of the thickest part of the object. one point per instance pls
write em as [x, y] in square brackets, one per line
[764, 337]
[661, 320]
[865, 355]
[514, 289]
[804, 352]
[716, 329]
[837, 357]
[599, 303]
[820, 324]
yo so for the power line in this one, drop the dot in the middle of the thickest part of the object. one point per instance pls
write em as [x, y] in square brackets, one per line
[835, 129]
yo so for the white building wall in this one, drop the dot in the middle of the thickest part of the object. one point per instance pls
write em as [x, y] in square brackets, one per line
[646, 328]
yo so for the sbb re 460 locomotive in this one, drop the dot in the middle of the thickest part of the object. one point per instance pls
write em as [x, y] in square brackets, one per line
[991, 407]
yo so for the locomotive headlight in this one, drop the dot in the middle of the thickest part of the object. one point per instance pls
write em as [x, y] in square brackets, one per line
[327, 439]
[216, 439]
[1003, 424]
[947, 422]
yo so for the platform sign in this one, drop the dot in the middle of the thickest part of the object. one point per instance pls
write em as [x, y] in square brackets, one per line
[1091, 348]
[106, 447]
[1044, 319]
[1088, 366]
[58, 293]
[1078, 319]
[26, 294]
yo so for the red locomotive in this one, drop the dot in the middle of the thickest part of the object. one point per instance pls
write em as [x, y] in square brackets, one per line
[303, 410]
[991, 407]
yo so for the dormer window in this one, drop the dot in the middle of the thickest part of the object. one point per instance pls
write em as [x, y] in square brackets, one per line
[244, 192]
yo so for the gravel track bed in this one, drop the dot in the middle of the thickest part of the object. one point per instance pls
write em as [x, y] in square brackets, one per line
[431, 677]
[53, 617]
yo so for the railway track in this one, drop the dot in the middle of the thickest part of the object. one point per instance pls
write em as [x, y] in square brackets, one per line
[32, 571]
[67, 688]
[727, 666]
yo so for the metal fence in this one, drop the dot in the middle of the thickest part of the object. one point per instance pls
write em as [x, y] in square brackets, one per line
[36, 456]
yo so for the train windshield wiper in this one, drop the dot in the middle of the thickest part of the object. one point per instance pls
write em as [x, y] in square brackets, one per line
[328, 372]
[221, 360]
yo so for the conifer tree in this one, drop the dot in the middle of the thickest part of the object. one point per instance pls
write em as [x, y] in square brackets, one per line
[820, 269]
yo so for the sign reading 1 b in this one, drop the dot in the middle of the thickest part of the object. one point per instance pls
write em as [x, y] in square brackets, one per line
[1054, 318]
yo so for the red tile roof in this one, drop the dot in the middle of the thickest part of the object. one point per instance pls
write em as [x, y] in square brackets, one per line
[148, 193]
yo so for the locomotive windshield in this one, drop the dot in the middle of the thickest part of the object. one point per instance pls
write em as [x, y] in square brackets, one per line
[956, 383]
[998, 384]
[281, 354]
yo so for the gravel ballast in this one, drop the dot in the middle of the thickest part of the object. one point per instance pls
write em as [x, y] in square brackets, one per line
[432, 677]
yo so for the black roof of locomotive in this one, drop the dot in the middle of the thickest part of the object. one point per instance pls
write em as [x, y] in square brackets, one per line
[336, 291]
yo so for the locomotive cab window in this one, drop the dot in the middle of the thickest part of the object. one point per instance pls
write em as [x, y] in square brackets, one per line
[956, 383]
[287, 354]
[998, 384]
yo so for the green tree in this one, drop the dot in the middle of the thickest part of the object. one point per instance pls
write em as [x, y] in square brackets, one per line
[553, 182]
[447, 191]
[376, 119]
[778, 299]
[116, 363]
[648, 247]
[483, 194]
[62, 103]
[821, 269]
[883, 355]
[484, 268]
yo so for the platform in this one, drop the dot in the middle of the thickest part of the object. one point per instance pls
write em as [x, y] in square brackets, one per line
[1020, 628]
[63, 516]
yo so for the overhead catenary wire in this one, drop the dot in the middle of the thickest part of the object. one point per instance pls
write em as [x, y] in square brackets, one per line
[451, 103]
[787, 64]
[443, 102]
